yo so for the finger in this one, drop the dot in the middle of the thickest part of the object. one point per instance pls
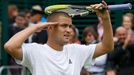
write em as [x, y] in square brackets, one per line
[104, 3]
[51, 23]
[47, 24]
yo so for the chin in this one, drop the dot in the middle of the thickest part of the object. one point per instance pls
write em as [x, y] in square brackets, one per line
[66, 42]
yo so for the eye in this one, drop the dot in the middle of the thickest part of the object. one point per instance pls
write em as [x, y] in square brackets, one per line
[64, 25]
[70, 26]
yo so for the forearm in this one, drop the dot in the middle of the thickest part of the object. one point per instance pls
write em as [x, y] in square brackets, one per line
[18, 39]
[107, 43]
[108, 33]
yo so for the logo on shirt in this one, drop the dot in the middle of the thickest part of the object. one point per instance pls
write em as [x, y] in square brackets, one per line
[70, 62]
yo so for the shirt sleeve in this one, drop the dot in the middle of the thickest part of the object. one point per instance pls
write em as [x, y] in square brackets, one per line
[27, 50]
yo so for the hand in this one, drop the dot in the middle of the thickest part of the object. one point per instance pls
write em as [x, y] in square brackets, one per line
[115, 39]
[104, 14]
[128, 40]
[43, 26]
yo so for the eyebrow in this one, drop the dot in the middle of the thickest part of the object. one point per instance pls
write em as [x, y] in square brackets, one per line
[65, 24]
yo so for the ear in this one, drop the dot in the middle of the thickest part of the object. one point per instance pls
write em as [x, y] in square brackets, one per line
[49, 28]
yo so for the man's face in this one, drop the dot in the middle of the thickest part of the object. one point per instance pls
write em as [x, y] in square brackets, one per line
[121, 35]
[20, 20]
[61, 33]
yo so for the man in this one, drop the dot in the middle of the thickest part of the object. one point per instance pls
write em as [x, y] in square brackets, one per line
[18, 25]
[121, 58]
[56, 57]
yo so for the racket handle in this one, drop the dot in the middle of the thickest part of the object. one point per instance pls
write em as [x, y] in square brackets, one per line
[120, 6]
[112, 7]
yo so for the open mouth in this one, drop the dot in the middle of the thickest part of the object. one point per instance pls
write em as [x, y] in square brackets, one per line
[67, 36]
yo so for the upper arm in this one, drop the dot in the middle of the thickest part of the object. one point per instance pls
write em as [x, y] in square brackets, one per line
[14, 52]
[100, 50]
[18, 54]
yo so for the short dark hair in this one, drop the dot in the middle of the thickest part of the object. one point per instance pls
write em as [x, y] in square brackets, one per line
[51, 17]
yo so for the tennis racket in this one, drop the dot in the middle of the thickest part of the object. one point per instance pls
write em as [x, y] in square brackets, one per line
[79, 10]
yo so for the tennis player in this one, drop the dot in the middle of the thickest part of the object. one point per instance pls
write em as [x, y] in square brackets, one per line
[56, 57]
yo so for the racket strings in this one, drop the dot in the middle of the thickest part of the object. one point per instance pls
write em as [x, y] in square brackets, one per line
[74, 12]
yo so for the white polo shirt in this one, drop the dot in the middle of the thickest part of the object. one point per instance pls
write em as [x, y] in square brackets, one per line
[43, 60]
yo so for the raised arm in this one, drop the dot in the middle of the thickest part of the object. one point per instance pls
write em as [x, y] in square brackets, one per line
[13, 46]
[107, 43]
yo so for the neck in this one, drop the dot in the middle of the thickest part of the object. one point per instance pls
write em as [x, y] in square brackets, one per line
[55, 45]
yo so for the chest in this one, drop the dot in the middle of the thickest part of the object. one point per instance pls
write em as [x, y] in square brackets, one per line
[55, 64]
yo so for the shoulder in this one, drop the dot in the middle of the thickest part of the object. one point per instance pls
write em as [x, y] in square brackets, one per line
[32, 46]
[78, 47]
[75, 44]
[33, 49]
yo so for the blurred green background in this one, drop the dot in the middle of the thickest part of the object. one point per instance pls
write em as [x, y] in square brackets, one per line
[80, 22]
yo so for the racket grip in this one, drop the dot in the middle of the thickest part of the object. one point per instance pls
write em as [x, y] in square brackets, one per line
[120, 6]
